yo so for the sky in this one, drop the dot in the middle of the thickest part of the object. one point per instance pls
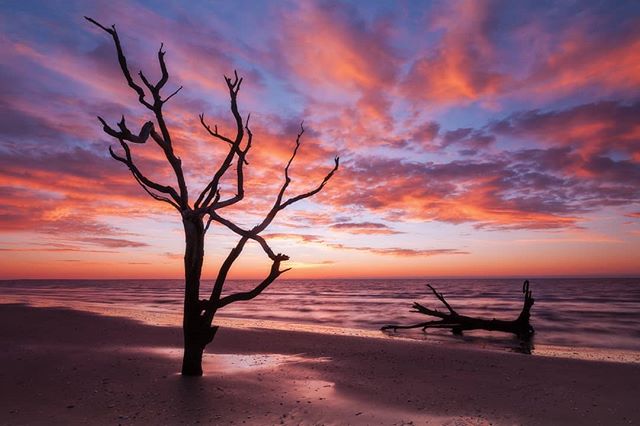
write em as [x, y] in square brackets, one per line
[477, 138]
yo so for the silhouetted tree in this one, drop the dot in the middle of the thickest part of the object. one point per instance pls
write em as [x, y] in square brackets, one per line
[196, 218]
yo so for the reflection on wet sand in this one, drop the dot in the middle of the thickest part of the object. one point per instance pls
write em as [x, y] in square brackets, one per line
[234, 363]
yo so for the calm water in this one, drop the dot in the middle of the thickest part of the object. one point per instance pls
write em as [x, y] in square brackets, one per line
[585, 313]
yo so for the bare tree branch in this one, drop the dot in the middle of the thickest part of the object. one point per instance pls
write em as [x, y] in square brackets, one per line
[122, 60]
[213, 215]
[204, 200]
[442, 299]
[316, 190]
[175, 92]
[214, 132]
[154, 195]
[214, 301]
[206, 228]
[242, 160]
[223, 272]
[163, 69]
[287, 179]
[146, 82]
[145, 182]
[164, 138]
[248, 295]
[278, 205]
[125, 133]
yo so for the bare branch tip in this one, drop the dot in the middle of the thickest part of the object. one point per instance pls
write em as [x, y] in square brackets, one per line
[172, 95]
[98, 24]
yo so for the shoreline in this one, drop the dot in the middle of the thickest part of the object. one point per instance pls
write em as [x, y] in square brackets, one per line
[72, 367]
[173, 319]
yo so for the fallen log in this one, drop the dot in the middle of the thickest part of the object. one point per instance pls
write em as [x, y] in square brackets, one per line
[459, 323]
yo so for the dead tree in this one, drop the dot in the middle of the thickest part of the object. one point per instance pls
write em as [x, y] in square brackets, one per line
[459, 323]
[198, 328]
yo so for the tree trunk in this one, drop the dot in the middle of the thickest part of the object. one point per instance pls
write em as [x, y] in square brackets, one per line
[192, 324]
[192, 358]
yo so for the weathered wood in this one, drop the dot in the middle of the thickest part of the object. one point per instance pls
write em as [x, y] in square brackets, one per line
[198, 328]
[459, 323]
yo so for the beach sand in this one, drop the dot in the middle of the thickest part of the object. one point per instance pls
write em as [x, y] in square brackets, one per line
[68, 367]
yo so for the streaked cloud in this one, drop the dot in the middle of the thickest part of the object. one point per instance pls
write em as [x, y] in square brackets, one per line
[493, 117]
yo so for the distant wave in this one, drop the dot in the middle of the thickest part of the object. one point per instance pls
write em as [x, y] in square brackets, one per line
[598, 313]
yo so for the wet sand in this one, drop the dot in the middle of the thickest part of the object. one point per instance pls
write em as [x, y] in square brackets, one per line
[68, 367]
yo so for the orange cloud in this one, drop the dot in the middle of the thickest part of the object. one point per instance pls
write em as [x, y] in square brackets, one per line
[461, 67]
[582, 58]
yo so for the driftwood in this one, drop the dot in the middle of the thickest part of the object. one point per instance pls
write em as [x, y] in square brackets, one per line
[459, 323]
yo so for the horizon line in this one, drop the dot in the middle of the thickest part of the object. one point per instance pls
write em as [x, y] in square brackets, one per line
[460, 277]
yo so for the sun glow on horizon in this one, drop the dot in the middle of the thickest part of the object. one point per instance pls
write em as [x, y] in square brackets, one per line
[475, 140]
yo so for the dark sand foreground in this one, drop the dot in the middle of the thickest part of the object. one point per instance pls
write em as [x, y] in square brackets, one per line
[67, 367]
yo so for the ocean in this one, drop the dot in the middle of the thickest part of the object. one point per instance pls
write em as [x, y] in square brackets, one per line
[576, 314]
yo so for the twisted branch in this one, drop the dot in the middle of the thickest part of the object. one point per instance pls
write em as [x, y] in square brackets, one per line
[145, 182]
[164, 138]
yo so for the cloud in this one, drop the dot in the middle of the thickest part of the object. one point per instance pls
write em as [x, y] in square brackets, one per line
[53, 247]
[370, 228]
[385, 251]
[501, 115]
[461, 66]
[469, 140]
[115, 242]
[523, 189]
[426, 132]
[307, 238]
[491, 51]
[599, 127]
[352, 61]
[400, 252]
[596, 52]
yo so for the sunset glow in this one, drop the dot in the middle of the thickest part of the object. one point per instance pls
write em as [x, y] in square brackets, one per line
[476, 138]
